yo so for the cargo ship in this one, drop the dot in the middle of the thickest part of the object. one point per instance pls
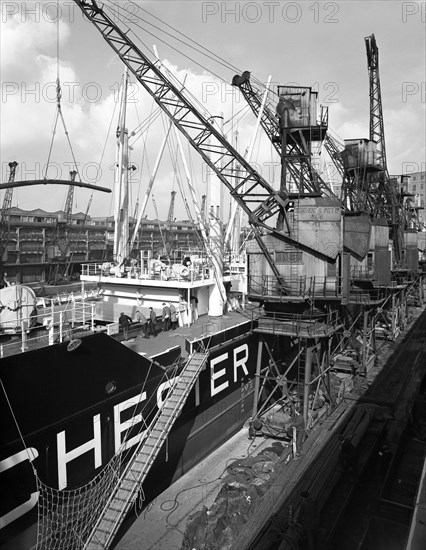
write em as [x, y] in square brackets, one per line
[90, 395]
[72, 415]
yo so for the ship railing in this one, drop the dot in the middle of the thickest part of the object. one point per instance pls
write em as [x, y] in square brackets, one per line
[309, 325]
[67, 297]
[58, 324]
[157, 271]
[294, 286]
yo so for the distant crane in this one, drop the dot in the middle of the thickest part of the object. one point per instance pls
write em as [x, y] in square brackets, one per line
[163, 238]
[203, 208]
[60, 245]
[70, 198]
[171, 214]
[5, 212]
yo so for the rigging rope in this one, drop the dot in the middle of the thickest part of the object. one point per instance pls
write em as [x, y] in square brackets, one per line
[159, 224]
[21, 437]
[59, 107]
[132, 16]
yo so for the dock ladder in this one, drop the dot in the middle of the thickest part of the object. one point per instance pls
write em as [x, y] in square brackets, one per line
[125, 492]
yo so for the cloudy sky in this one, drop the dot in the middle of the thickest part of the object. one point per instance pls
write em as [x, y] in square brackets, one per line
[318, 44]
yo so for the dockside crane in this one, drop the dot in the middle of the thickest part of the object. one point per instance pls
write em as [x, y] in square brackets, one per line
[5, 212]
[388, 196]
[70, 198]
[171, 214]
[203, 207]
[259, 200]
[299, 177]
[377, 129]
[399, 213]
[60, 244]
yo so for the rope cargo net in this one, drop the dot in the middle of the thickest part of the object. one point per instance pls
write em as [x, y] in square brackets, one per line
[67, 517]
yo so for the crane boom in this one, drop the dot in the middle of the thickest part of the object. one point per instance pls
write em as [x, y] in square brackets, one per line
[259, 200]
[377, 130]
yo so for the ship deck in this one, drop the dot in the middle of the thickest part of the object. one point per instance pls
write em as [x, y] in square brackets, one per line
[205, 326]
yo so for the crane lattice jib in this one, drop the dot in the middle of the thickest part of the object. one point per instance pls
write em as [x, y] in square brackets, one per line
[70, 198]
[377, 132]
[259, 200]
[392, 200]
[298, 161]
[171, 213]
[5, 210]
[7, 201]
[335, 154]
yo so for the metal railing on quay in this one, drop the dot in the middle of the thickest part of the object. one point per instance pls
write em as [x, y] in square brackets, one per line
[360, 296]
[295, 286]
[310, 324]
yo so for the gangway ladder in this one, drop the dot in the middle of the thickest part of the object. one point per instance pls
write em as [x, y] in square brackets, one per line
[126, 490]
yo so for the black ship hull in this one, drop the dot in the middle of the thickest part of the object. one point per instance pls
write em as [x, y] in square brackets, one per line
[66, 414]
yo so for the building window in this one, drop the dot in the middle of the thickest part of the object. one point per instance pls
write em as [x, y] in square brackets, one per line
[414, 188]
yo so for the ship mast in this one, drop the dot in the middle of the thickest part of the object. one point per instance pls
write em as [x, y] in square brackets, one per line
[121, 211]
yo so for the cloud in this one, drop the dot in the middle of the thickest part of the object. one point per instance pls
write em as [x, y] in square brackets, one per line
[27, 37]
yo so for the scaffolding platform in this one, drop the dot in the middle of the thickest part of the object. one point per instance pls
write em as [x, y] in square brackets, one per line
[298, 326]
